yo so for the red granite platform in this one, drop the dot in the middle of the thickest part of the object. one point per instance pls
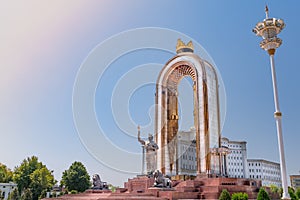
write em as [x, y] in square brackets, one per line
[200, 188]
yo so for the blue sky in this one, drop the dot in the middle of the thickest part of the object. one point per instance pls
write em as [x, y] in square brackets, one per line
[44, 45]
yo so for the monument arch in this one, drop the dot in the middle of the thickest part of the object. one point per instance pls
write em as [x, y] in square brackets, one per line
[206, 110]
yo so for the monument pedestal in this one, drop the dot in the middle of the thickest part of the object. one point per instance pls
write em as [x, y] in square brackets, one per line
[141, 188]
[201, 187]
[139, 184]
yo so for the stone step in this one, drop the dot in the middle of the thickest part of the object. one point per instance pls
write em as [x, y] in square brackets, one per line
[131, 194]
[186, 189]
[209, 189]
[190, 183]
[179, 195]
[132, 198]
[210, 196]
[187, 199]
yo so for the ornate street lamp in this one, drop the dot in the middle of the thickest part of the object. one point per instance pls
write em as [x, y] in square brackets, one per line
[268, 30]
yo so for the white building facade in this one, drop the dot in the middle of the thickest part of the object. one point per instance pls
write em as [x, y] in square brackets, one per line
[295, 181]
[236, 164]
[186, 149]
[266, 171]
[6, 189]
[236, 160]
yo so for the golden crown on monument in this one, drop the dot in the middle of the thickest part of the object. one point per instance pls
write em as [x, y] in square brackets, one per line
[182, 47]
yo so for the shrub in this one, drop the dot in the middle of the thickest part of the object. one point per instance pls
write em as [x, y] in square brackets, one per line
[27, 195]
[274, 188]
[43, 194]
[292, 194]
[280, 191]
[298, 193]
[239, 196]
[73, 192]
[262, 194]
[14, 195]
[224, 195]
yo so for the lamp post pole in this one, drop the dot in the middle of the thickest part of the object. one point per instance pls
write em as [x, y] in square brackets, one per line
[268, 30]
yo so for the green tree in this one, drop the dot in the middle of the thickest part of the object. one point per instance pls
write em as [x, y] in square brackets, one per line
[41, 179]
[239, 196]
[292, 193]
[280, 191]
[224, 195]
[22, 173]
[14, 195]
[26, 195]
[33, 175]
[263, 195]
[298, 193]
[274, 188]
[76, 178]
[43, 194]
[6, 174]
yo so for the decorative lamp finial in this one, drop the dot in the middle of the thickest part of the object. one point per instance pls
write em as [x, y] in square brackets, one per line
[267, 12]
[268, 29]
[182, 47]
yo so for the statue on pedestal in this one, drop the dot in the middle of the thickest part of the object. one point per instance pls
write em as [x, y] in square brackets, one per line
[98, 184]
[150, 147]
[161, 180]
